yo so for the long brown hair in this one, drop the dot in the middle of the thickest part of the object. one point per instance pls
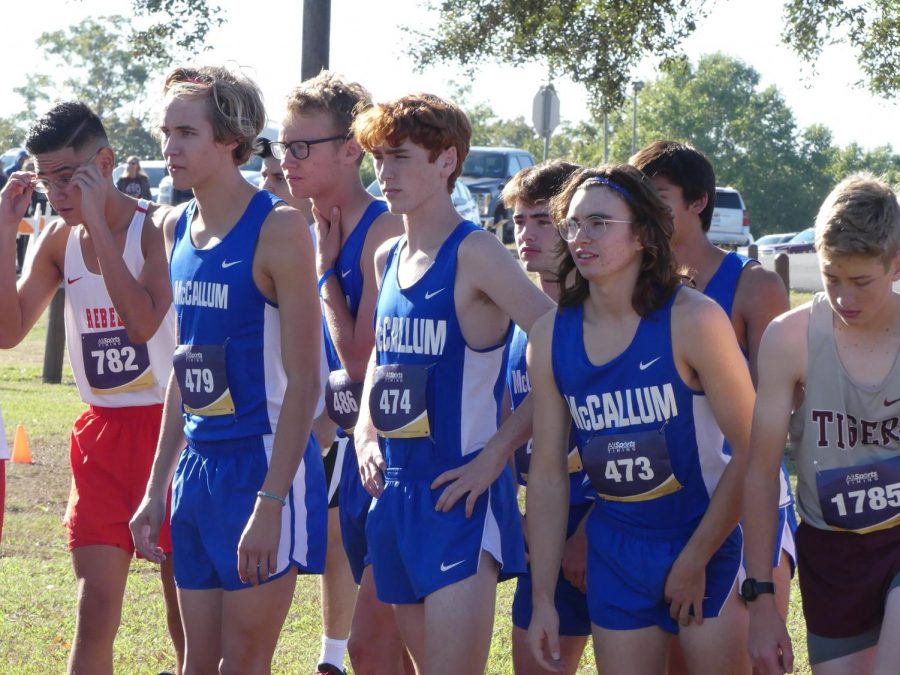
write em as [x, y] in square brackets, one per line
[651, 223]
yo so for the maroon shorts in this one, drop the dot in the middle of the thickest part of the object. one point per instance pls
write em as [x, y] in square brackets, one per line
[111, 452]
[845, 578]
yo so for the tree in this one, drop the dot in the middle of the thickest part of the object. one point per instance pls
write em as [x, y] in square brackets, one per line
[597, 43]
[871, 27]
[106, 74]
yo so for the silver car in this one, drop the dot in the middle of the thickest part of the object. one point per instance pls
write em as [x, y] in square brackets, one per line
[463, 201]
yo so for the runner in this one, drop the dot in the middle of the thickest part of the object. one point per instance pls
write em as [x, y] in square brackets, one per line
[641, 366]
[248, 506]
[841, 352]
[445, 524]
[321, 162]
[107, 249]
[538, 244]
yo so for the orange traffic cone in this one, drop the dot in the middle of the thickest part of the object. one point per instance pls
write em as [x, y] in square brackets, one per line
[21, 453]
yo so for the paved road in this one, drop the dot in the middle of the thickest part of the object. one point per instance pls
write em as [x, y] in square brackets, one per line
[804, 269]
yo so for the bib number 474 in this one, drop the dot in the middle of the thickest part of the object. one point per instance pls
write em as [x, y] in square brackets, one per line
[393, 400]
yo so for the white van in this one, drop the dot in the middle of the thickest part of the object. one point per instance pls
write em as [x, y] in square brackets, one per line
[730, 221]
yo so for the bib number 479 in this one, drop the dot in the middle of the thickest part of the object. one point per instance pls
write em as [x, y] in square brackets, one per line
[198, 380]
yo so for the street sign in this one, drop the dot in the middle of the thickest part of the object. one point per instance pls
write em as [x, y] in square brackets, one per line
[545, 111]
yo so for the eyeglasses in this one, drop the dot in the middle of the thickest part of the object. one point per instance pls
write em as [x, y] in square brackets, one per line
[43, 185]
[594, 227]
[300, 149]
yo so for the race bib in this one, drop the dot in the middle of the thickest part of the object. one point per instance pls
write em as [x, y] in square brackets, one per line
[342, 397]
[113, 364]
[861, 499]
[523, 460]
[398, 402]
[631, 467]
[203, 380]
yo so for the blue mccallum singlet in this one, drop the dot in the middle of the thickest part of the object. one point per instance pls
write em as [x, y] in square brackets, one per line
[419, 343]
[723, 284]
[722, 288]
[341, 395]
[519, 386]
[228, 360]
[649, 443]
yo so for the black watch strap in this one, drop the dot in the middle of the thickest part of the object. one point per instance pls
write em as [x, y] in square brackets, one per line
[751, 589]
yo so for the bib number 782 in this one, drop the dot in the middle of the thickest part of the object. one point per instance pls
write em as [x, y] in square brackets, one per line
[115, 360]
[393, 400]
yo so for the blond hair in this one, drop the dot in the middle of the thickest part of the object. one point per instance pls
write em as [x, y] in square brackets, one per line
[861, 216]
[330, 93]
[235, 103]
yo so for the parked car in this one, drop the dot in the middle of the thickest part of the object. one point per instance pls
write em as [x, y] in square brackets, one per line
[154, 168]
[766, 245]
[169, 195]
[8, 158]
[802, 242]
[730, 220]
[485, 172]
[463, 200]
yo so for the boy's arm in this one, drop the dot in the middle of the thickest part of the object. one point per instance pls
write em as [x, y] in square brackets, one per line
[22, 304]
[148, 518]
[547, 496]
[287, 259]
[704, 338]
[761, 296]
[353, 338]
[497, 275]
[365, 438]
[143, 302]
[783, 358]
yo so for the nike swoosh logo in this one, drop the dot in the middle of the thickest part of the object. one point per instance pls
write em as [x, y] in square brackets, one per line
[890, 403]
[444, 567]
[72, 281]
[644, 366]
[345, 273]
[431, 294]
[226, 264]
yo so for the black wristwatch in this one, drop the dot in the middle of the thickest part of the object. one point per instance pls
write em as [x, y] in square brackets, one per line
[751, 589]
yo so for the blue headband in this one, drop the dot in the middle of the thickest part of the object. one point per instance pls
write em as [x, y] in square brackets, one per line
[606, 182]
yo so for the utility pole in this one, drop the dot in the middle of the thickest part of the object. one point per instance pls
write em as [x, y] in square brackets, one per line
[637, 85]
[316, 37]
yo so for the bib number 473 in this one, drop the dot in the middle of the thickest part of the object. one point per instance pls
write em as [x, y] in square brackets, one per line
[624, 469]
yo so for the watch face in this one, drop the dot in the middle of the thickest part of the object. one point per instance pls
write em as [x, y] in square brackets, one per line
[748, 590]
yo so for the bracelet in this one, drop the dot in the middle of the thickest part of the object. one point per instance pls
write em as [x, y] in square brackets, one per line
[269, 495]
[324, 278]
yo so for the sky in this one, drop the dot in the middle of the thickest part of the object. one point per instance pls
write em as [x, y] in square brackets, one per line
[368, 45]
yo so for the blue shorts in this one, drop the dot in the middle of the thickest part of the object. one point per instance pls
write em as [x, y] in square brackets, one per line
[213, 496]
[785, 536]
[571, 604]
[353, 509]
[627, 571]
[416, 550]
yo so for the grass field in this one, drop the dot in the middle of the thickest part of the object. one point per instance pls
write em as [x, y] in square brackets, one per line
[37, 590]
